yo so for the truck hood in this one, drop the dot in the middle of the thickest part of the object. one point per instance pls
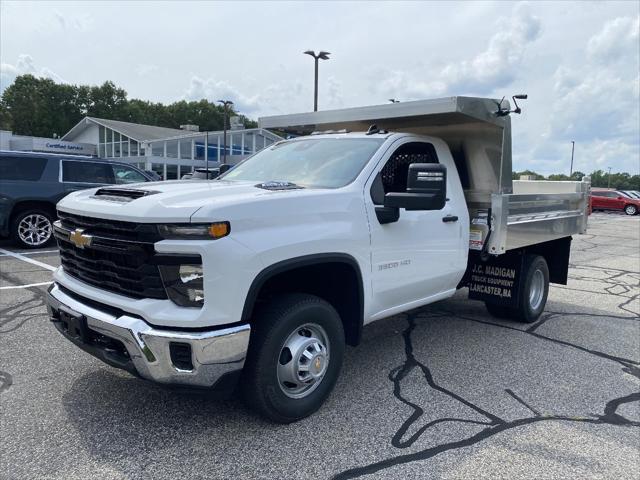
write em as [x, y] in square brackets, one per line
[173, 201]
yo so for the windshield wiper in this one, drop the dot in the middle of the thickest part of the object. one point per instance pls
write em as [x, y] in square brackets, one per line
[278, 185]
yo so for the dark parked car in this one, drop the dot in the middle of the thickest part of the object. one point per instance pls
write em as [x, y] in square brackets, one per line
[32, 183]
[614, 200]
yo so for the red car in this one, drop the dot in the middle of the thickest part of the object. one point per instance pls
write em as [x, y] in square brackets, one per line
[614, 200]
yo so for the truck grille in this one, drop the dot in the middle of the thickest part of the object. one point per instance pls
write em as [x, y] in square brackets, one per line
[141, 232]
[119, 258]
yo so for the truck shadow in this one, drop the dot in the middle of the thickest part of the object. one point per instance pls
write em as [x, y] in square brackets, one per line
[436, 375]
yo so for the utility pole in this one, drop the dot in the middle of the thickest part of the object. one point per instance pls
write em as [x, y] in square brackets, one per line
[609, 178]
[226, 104]
[573, 145]
[321, 55]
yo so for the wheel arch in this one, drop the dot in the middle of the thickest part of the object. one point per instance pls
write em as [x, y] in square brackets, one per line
[331, 276]
[23, 205]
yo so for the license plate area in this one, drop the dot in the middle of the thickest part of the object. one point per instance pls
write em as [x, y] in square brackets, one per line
[74, 326]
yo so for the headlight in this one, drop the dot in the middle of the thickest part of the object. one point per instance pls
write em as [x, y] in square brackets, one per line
[184, 284]
[195, 231]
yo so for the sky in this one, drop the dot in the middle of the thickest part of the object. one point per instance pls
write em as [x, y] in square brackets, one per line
[579, 62]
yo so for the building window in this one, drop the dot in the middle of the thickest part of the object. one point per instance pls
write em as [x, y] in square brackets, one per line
[125, 147]
[172, 148]
[185, 148]
[172, 172]
[157, 149]
[158, 168]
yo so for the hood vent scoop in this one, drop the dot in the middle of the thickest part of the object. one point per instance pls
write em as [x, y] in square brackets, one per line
[272, 185]
[116, 194]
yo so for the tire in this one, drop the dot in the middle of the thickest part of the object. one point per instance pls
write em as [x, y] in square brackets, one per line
[533, 298]
[630, 209]
[286, 329]
[39, 236]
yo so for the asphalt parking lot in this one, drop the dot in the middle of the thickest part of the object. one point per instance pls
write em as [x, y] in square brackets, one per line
[445, 391]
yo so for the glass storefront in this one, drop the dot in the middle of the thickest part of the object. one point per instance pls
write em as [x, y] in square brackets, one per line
[173, 157]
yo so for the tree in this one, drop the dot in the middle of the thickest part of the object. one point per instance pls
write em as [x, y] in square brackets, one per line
[41, 107]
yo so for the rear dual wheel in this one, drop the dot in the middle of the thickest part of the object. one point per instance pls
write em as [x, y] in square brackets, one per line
[295, 355]
[533, 298]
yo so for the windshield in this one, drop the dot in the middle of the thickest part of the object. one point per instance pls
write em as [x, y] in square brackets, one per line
[311, 163]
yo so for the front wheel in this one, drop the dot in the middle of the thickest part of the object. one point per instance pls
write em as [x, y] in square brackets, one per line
[32, 228]
[533, 297]
[630, 210]
[295, 356]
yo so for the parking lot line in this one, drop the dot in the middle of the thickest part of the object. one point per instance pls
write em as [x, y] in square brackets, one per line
[27, 259]
[35, 252]
[26, 286]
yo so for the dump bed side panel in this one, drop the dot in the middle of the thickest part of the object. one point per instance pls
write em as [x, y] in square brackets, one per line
[559, 210]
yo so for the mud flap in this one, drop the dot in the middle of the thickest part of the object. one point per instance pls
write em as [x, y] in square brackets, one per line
[497, 280]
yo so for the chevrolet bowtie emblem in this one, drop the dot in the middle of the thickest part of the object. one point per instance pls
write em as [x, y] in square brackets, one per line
[79, 239]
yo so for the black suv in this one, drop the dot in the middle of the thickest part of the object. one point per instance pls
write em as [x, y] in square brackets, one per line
[32, 183]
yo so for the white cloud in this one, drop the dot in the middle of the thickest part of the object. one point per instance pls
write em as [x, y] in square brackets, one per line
[214, 90]
[24, 65]
[145, 69]
[597, 106]
[617, 40]
[74, 21]
[496, 66]
[268, 97]
[493, 68]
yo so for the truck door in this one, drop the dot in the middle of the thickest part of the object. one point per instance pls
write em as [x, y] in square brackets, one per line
[423, 253]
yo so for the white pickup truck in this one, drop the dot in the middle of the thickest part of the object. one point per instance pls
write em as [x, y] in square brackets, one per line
[260, 278]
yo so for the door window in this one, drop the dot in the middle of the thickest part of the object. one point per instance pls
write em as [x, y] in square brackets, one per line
[125, 174]
[87, 172]
[21, 168]
[394, 173]
[393, 176]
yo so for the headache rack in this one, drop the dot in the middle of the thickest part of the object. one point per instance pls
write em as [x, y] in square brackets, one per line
[478, 133]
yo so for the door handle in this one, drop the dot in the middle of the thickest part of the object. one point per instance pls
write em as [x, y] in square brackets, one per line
[450, 218]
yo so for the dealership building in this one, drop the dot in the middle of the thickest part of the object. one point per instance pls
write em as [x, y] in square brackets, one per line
[169, 152]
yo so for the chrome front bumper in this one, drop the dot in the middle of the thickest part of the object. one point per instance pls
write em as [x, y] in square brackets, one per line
[129, 343]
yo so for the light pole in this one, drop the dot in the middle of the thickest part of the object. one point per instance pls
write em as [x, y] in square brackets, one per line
[609, 178]
[573, 145]
[206, 152]
[324, 56]
[226, 104]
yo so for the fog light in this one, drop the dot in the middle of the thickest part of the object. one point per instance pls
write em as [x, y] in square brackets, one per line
[184, 284]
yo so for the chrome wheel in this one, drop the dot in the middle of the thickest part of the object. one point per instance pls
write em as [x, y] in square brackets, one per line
[536, 290]
[630, 210]
[303, 361]
[34, 229]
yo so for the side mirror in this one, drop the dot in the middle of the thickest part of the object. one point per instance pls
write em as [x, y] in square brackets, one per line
[426, 188]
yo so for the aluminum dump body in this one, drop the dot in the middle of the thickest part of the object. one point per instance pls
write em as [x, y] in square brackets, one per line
[521, 213]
